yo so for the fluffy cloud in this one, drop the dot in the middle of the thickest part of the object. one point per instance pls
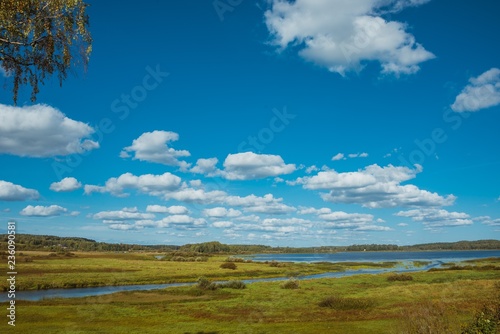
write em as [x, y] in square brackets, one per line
[42, 131]
[154, 185]
[436, 217]
[487, 220]
[338, 156]
[267, 204]
[308, 211]
[374, 187]
[132, 219]
[342, 35]
[341, 156]
[66, 184]
[13, 192]
[201, 196]
[250, 166]
[276, 230]
[482, 92]
[170, 187]
[220, 212]
[154, 147]
[42, 211]
[173, 210]
[311, 169]
[124, 227]
[206, 167]
[358, 155]
[222, 224]
[244, 166]
[182, 222]
[121, 215]
[349, 221]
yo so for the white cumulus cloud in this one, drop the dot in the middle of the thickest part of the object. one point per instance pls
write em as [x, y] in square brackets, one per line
[250, 166]
[42, 211]
[338, 156]
[173, 210]
[154, 185]
[13, 192]
[66, 184]
[206, 167]
[154, 147]
[343, 35]
[437, 217]
[220, 212]
[358, 155]
[481, 92]
[222, 224]
[374, 187]
[352, 221]
[121, 215]
[267, 204]
[42, 131]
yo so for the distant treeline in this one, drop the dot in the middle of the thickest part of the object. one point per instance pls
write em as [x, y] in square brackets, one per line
[53, 243]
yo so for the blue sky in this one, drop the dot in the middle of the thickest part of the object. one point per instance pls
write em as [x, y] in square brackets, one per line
[309, 123]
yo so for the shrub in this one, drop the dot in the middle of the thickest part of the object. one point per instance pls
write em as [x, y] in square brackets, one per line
[235, 259]
[485, 322]
[343, 303]
[233, 285]
[228, 265]
[274, 264]
[205, 284]
[399, 277]
[290, 284]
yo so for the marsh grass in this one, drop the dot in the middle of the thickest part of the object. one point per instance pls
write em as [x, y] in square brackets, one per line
[399, 277]
[346, 303]
[428, 317]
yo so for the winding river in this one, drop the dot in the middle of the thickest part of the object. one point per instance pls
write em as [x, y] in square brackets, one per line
[434, 258]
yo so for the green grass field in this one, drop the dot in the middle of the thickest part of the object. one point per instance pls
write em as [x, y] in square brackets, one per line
[442, 300]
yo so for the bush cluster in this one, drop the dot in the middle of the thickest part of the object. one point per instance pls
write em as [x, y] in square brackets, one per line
[232, 285]
[292, 283]
[399, 277]
[189, 259]
[238, 259]
[205, 284]
[228, 265]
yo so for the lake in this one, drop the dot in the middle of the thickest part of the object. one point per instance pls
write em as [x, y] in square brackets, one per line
[444, 256]
[435, 259]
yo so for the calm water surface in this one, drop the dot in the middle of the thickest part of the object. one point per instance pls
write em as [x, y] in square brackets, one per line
[444, 256]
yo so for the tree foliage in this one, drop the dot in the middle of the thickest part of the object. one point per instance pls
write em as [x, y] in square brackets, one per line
[39, 38]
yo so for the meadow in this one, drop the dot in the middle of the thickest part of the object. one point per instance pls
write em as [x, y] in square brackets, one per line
[435, 301]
